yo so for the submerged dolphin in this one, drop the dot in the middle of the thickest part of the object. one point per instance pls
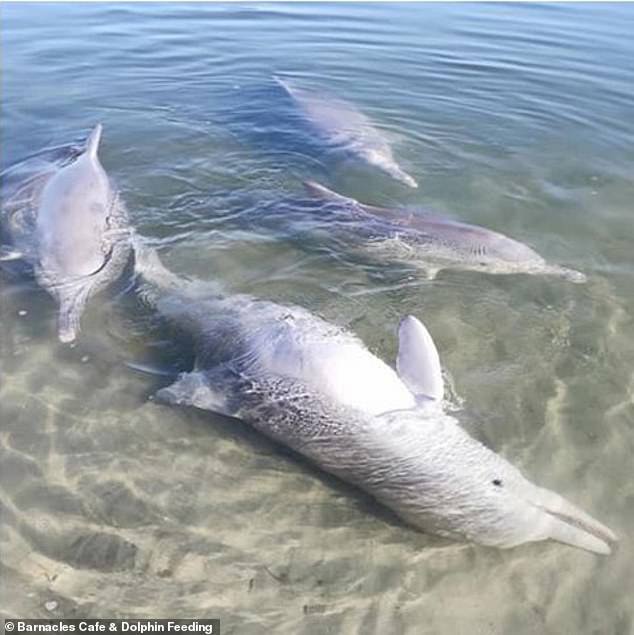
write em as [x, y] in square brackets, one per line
[435, 243]
[62, 215]
[342, 125]
[317, 389]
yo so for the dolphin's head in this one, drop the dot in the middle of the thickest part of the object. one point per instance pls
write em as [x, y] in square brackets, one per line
[442, 480]
[475, 248]
[532, 266]
[506, 255]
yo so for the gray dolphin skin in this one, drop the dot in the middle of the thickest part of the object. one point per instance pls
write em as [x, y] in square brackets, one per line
[61, 214]
[341, 125]
[434, 243]
[317, 389]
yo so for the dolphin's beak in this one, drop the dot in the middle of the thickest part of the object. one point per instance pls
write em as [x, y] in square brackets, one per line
[564, 522]
[567, 274]
[574, 276]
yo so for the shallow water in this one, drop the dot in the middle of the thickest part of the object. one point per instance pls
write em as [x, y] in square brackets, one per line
[516, 117]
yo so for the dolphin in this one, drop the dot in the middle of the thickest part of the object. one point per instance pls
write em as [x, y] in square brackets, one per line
[62, 215]
[316, 388]
[434, 243]
[341, 125]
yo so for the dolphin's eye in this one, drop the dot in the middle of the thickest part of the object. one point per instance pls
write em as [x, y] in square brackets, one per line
[497, 482]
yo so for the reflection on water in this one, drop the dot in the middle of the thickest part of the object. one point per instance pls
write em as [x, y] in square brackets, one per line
[514, 117]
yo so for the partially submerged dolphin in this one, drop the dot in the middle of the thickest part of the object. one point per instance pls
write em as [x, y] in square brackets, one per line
[317, 389]
[435, 243]
[341, 125]
[61, 214]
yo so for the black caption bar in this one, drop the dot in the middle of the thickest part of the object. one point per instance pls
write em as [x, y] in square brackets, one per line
[136, 627]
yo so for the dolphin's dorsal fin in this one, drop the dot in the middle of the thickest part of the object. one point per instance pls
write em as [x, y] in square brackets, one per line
[195, 389]
[92, 143]
[292, 90]
[418, 363]
[321, 191]
[282, 82]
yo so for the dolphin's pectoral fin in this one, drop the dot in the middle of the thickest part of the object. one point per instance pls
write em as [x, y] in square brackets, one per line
[7, 253]
[418, 364]
[196, 389]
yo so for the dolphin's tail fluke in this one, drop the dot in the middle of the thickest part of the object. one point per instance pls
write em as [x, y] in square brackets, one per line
[566, 523]
[154, 276]
[156, 279]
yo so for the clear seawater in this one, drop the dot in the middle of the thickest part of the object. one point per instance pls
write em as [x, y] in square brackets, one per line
[516, 117]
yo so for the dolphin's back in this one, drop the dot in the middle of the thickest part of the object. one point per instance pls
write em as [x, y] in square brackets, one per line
[286, 341]
[301, 346]
[343, 126]
[338, 121]
[21, 187]
[72, 218]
